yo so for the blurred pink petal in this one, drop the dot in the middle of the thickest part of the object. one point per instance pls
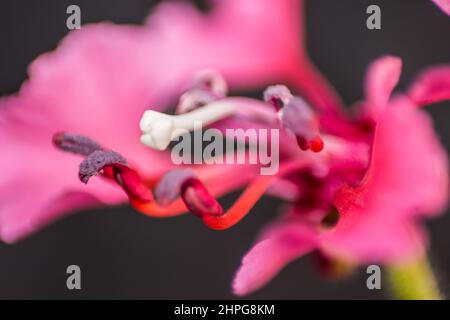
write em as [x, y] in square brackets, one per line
[431, 86]
[381, 79]
[279, 246]
[249, 42]
[380, 199]
[100, 80]
[407, 178]
[444, 5]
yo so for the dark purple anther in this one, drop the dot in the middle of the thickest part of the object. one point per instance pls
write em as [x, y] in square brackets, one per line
[277, 95]
[75, 143]
[298, 117]
[169, 187]
[96, 161]
[207, 86]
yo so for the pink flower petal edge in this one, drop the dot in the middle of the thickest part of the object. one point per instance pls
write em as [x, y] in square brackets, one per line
[381, 79]
[407, 178]
[278, 246]
[444, 5]
[431, 86]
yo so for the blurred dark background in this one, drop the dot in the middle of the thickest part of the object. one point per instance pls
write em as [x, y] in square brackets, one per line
[123, 254]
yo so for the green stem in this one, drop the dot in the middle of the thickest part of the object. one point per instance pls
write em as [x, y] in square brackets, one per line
[413, 281]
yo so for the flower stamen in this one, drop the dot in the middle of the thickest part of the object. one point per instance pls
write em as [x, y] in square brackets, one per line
[300, 119]
[131, 183]
[207, 86]
[278, 95]
[107, 163]
[297, 116]
[75, 143]
[249, 197]
[198, 200]
[94, 163]
[195, 196]
[168, 188]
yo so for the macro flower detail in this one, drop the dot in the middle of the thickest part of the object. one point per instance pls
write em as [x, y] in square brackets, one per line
[378, 193]
[379, 183]
[298, 117]
[207, 86]
[356, 183]
[81, 87]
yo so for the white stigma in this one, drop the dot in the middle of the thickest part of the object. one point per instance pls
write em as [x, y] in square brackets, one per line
[159, 129]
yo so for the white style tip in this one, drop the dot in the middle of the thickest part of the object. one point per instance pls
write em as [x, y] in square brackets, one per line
[157, 129]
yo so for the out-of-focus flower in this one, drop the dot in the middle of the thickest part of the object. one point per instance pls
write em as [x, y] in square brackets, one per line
[444, 5]
[101, 78]
[358, 198]
[377, 213]
[356, 185]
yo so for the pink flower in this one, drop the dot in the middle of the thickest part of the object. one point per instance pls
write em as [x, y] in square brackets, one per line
[101, 78]
[356, 185]
[357, 195]
[379, 200]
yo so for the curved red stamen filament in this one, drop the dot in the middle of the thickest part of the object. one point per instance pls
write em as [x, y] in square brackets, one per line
[242, 206]
[209, 175]
[130, 181]
[239, 209]
[248, 199]
[198, 200]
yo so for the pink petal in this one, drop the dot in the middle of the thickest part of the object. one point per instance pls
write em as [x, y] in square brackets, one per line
[249, 43]
[28, 204]
[365, 236]
[407, 178]
[444, 5]
[431, 86]
[100, 80]
[381, 79]
[280, 245]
